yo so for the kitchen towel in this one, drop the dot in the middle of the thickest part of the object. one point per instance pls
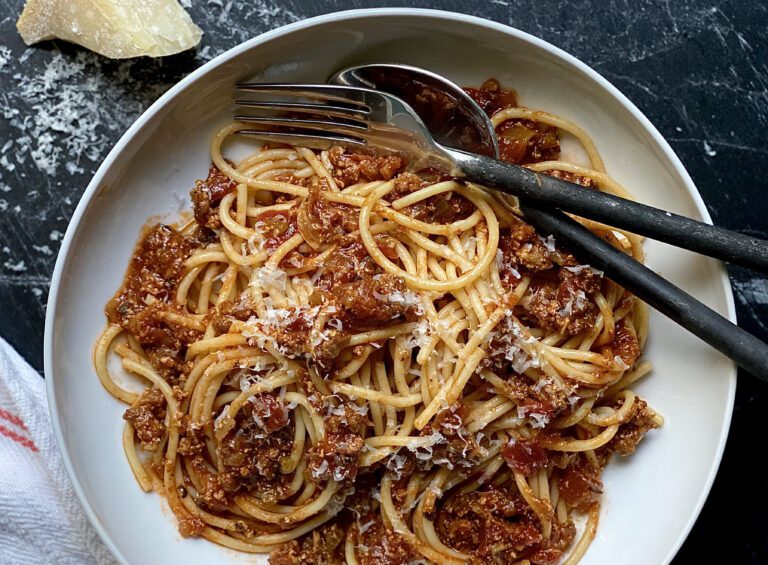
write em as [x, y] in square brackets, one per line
[41, 520]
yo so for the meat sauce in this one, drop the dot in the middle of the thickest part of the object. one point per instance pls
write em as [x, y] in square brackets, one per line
[493, 524]
[336, 456]
[496, 526]
[352, 168]
[146, 415]
[524, 456]
[520, 141]
[277, 227]
[323, 546]
[148, 295]
[207, 194]
[380, 545]
[444, 208]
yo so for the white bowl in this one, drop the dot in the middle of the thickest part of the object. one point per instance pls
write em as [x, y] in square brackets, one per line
[651, 499]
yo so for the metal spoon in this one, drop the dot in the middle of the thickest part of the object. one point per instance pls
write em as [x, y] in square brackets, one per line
[744, 348]
[427, 91]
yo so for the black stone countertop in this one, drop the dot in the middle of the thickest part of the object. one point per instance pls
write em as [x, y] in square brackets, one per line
[697, 68]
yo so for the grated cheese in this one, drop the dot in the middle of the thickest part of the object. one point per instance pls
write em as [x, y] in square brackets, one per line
[579, 268]
[419, 336]
[269, 277]
[539, 420]
[620, 363]
[320, 470]
[221, 417]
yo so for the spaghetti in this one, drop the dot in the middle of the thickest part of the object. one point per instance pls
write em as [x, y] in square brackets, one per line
[346, 362]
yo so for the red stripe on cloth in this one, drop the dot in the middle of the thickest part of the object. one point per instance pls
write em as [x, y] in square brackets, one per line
[21, 440]
[13, 419]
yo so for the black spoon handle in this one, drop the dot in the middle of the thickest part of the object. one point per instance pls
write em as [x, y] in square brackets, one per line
[550, 192]
[745, 349]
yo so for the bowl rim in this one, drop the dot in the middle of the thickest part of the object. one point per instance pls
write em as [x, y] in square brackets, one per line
[345, 15]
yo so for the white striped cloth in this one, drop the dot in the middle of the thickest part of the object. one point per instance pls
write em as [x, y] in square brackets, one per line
[41, 520]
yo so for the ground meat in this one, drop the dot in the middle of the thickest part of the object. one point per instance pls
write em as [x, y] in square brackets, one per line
[522, 249]
[360, 503]
[351, 168]
[147, 415]
[276, 227]
[149, 288]
[563, 306]
[456, 446]
[252, 459]
[324, 354]
[524, 141]
[405, 184]
[322, 221]
[169, 363]
[191, 438]
[492, 97]
[444, 208]
[586, 182]
[156, 266]
[336, 456]
[558, 308]
[150, 327]
[550, 551]
[224, 313]
[625, 344]
[633, 430]
[349, 261]
[363, 298]
[380, 545]
[580, 485]
[190, 526]
[292, 335]
[459, 450]
[269, 412]
[207, 194]
[290, 178]
[546, 400]
[295, 338]
[579, 278]
[215, 489]
[450, 421]
[322, 546]
[251, 455]
[368, 301]
[493, 525]
[520, 141]
[524, 456]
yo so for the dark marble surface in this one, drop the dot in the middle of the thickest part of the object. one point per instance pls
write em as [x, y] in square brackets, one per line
[697, 68]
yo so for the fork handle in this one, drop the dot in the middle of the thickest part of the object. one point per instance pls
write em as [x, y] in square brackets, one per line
[745, 349]
[544, 190]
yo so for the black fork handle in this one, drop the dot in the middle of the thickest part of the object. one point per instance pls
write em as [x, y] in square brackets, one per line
[745, 349]
[550, 192]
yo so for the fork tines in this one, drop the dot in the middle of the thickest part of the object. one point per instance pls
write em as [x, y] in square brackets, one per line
[333, 116]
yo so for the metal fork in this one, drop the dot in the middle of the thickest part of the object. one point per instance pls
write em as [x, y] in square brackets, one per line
[360, 117]
[343, 116]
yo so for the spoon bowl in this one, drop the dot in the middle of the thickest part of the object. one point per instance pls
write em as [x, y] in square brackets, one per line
[453, 118]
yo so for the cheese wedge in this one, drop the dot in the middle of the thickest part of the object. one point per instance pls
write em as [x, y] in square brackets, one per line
[114, 28]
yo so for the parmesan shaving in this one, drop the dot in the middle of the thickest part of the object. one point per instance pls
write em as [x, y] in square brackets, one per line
[269, 277]
[118, 29]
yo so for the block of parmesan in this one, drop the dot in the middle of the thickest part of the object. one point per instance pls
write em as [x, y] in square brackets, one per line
[118, 29]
